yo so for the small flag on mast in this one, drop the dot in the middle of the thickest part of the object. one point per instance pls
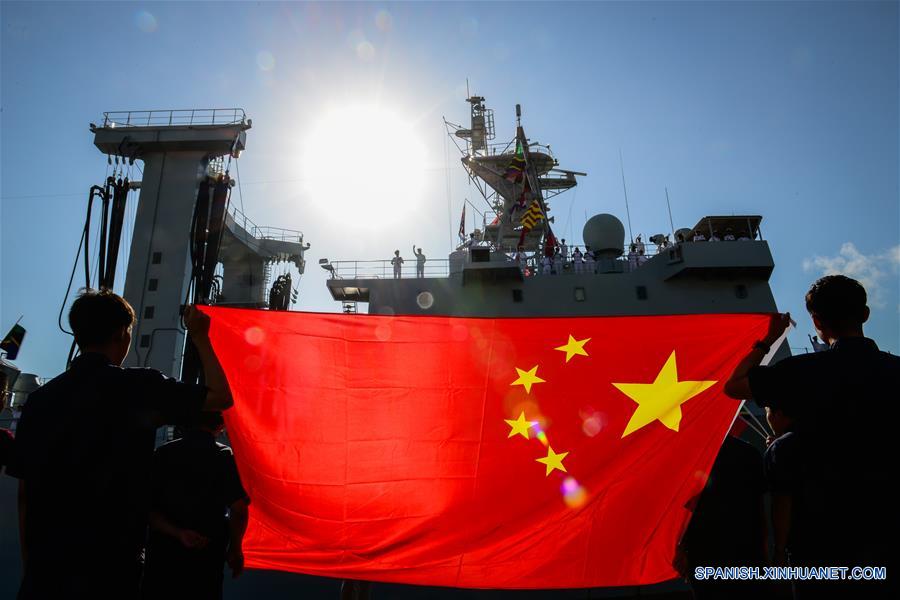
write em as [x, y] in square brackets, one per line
[462, 224]
[516, 169]
[532, 216]
[13, 341]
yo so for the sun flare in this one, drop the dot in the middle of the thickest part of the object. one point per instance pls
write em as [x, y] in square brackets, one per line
[364, 164]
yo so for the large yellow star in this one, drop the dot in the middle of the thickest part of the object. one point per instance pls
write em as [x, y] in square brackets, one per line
[662, 399]
[527, 378]
[520, 426]
[574, 347]
[553, 460]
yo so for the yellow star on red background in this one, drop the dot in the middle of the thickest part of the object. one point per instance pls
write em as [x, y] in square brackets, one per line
[553, 460]
[527, 378]
[520, 426]
[574, 347]
[661, 400]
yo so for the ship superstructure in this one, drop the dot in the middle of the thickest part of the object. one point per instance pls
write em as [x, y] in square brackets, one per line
[502, 270]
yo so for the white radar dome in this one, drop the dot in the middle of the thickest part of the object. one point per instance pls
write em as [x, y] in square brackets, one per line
[605, 235]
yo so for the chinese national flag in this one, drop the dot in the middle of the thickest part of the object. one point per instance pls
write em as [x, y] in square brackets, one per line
[485, 453]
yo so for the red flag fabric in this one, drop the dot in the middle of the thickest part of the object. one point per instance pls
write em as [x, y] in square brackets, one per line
[486, 453]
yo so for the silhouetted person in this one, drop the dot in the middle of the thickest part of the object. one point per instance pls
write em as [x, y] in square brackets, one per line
[727, 527]
[83, 450]
[420, 262]
[784, 477]
[6, 436]
[397, 262]
[843, 402]
[198, 515]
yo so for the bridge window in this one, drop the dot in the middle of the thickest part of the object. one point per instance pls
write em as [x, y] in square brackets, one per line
[517, 295]
[641, 291]
[579, 294]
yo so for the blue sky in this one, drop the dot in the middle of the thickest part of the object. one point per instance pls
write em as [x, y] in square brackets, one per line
[788, 110]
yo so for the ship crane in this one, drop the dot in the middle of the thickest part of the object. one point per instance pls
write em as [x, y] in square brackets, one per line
[189, 242]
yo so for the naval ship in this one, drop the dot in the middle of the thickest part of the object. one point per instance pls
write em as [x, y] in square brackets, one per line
[191, 243]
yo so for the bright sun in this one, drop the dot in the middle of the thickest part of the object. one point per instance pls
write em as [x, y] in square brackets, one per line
[364, 165]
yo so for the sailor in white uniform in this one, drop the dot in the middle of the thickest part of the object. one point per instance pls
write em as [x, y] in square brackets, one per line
[521, 259]
[589, 261]
[632, 257]
[546, 265]
[578, 261]
[639, 246]
[558, 263]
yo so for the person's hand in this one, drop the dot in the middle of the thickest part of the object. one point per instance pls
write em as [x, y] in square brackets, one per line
[192, 540]
[777, 326]
[235, 560]
[196, 322]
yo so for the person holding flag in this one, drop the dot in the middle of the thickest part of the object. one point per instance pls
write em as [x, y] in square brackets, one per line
[83, 450]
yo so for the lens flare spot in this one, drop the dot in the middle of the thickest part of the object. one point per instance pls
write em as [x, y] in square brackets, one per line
[145, 21]
[542, 437]
[383, 332]
[265, 60]
[365, 50]
[384, 21]
[459, 333]
[592, 422]
[425, 300]
[573, 493]
[254, 336]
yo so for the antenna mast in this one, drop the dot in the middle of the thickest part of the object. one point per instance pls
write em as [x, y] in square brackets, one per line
[625, 190]
[671, 222]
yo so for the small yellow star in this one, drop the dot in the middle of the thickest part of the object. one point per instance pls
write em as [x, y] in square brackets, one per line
[520, 426]
[553, 460]
[574, 347]
[527, 378]
[662, 399]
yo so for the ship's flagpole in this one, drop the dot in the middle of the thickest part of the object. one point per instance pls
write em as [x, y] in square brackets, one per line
[671, 222]
[625, 190]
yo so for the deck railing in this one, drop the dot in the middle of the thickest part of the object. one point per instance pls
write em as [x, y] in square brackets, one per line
[179, 117]
[383, 269]
[264, 232]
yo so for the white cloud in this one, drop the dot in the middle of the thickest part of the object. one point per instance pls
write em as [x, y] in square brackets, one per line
[871, 270]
